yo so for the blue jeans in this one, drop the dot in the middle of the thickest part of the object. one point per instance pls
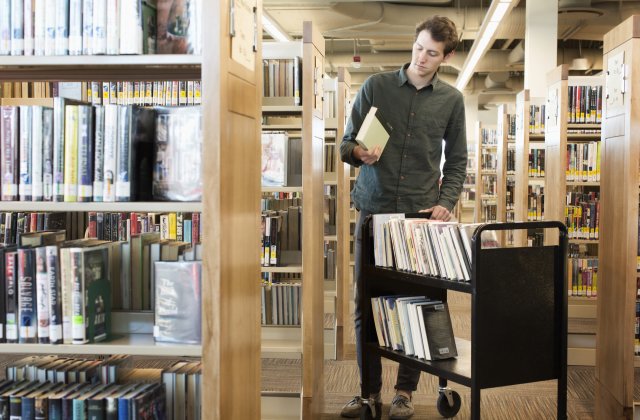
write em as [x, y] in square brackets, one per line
[408, 377]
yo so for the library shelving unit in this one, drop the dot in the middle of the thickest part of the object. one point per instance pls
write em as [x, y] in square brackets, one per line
[505, 176]
[511, 322]
[529, 135]
[465, 208]
[618, 252]
[307, 340]
[582, 309]
[231, 148]
[486, 159]
[343, 217]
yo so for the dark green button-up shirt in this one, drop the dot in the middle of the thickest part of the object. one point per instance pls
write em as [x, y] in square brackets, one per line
[406, 178]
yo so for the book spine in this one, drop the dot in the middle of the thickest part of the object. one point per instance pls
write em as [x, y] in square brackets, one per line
[71, 153]
[42, 295]
[25, 185]
[75, 27]
[47, 154]
[36, 153]
[58, 148]
[17, 27]
[39, 27]
[54, 294]
[99, 27]
[28, 27]
[50, 27]
[11, 279]
[27, 315]
[87, 27]
[78, 321]
[98, 171]
[62, 27]
[123, 169]
[85, 154]
[9, 132]
[5, 27]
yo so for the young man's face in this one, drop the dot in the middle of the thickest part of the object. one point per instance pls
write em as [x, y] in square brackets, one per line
[427, 55]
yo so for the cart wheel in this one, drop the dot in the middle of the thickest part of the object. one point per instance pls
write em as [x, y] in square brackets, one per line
[444, 408]
[367, 414]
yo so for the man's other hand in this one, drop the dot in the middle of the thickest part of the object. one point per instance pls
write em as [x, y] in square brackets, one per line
[438, 213]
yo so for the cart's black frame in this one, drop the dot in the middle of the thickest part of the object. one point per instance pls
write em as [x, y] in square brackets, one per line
[518, 316]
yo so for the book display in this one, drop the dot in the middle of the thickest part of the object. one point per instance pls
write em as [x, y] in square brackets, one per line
[572, 192]
[281, 112]
[229, 341]
[618, 251]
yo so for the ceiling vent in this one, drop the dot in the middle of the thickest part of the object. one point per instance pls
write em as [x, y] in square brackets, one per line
[577, 10]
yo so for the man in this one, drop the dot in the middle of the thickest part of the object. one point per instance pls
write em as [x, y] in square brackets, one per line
[422, 111]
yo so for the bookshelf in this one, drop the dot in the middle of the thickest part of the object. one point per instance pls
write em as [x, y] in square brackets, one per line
[343, 217]
[306, 340]
[529, 136]
[486, 175]
[505, 175]
[620, 174]
[558, 138]
[230, 345]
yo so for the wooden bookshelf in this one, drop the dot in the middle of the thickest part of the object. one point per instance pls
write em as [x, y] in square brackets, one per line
[343, 217]
[502, 128]
[615, 360]
[484, 198]
[231, 148]
[557, 139]
[311, 338]
[524, 142]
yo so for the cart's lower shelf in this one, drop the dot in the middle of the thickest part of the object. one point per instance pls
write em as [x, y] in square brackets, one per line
[457, 369]
[132, 344]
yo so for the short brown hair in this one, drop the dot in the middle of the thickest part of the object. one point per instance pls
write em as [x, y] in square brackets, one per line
[442, 29]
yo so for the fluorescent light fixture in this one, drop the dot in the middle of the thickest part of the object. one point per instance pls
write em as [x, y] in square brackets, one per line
[270, 26]
[496, 13]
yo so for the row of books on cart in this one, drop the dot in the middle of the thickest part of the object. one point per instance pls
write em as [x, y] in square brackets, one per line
[427, 247]
[415, 325]
[62, 292]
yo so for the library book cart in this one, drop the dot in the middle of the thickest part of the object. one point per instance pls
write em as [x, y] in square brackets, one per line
[518, 318]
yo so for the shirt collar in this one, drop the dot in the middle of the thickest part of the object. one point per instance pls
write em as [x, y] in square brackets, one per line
[402, 77]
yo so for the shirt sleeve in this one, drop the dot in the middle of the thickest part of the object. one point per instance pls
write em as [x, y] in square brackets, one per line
[361, 106]
[454, 170]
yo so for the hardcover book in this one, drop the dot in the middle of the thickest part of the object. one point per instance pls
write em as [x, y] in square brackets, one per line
[374, 131]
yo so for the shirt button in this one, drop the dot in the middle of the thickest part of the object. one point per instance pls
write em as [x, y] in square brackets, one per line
[405, 155]
[408, 134]
[413, 113]
[401, 176]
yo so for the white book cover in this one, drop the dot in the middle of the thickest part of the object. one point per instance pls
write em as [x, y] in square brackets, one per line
[39, 27]
[25, 185]
[28, 27]
[75, 27]
[17, 27]
[113, 29]
[98, 155]
[49, 27]
[412, 311]
[402, 304]
[62, 27]
[36, 154]
[5, 27]
[87, 27]
[99, 20]
[110, 152]
[42, 294]
[71, 153]
[130, 22]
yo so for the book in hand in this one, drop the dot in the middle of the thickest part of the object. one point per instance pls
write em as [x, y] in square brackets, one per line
[374, 131]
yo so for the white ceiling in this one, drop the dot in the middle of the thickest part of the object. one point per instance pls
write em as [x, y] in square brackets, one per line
[382, 33]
